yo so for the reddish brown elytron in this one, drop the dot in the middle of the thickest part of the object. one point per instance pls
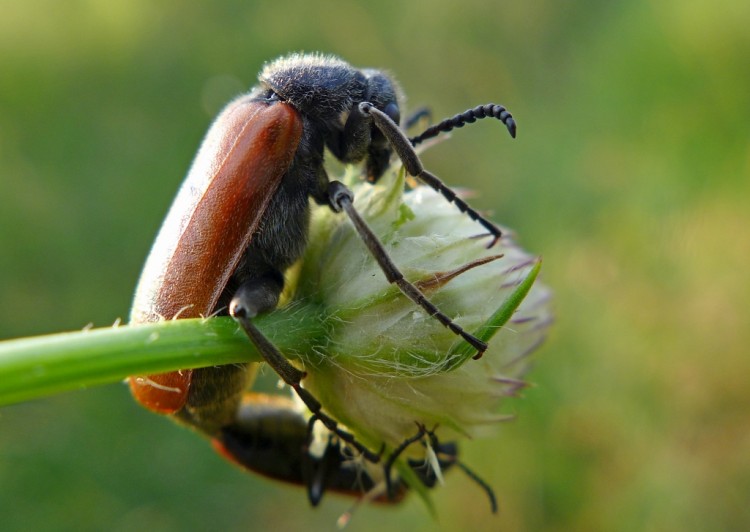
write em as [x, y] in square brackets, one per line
[235, 174]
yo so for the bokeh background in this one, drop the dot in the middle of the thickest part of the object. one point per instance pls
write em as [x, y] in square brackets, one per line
[629, 175]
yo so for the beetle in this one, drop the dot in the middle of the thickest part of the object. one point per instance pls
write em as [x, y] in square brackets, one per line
[272, 438]
[240, 220]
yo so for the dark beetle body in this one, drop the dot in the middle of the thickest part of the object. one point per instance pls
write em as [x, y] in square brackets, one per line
[240, 220]
[305, 102]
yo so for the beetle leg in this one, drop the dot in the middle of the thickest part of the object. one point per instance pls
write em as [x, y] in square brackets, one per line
[422, 113]
[482, 484]
[341, 198]
[447, 456]
[421, 431]
[242, 310]
[414, 167]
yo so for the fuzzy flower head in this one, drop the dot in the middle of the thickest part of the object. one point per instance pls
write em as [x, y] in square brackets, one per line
[386, 365]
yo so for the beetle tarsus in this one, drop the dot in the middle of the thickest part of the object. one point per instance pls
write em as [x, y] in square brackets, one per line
[482, 484]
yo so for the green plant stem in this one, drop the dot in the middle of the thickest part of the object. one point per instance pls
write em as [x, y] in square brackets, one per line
[39, 366]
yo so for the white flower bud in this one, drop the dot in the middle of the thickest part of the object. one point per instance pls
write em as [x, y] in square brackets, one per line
[387, 365]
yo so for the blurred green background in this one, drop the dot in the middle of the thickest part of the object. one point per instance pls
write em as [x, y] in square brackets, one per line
[629, 175]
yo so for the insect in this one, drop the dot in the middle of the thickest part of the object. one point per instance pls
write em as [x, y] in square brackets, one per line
[241, 219]
[272, 439]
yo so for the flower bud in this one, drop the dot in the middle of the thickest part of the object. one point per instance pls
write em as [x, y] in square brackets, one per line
[386, 365]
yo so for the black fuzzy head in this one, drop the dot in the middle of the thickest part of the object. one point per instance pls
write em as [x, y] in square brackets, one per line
[327, 88]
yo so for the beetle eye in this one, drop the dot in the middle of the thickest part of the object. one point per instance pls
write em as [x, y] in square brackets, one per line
[393, 112]
[272, 96]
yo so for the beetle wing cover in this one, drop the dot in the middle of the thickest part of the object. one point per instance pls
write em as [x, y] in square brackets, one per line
[233, 178]
[236, 172]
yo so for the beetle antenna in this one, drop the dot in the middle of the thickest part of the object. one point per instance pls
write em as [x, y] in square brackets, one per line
[470, 116]
[405, 151]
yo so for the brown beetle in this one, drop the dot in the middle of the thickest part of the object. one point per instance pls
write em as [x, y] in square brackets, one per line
[241, 219]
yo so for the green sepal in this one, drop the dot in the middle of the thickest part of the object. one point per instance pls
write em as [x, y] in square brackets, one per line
[463, 351]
